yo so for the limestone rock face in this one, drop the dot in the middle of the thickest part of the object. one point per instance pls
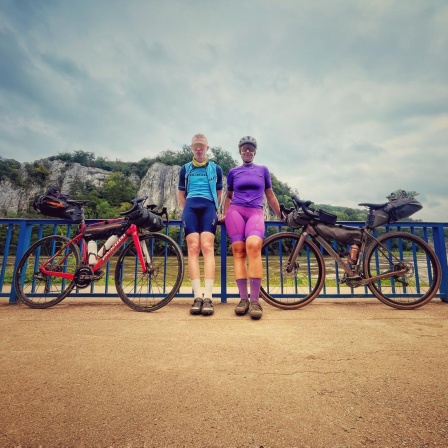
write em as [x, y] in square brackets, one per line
[159, 184]
[14, 199]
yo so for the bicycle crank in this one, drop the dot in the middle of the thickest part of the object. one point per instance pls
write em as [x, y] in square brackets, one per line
[83, 277]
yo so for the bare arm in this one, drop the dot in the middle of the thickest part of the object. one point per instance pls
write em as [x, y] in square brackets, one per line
[227, 201]
[273, 202]
[181, 198]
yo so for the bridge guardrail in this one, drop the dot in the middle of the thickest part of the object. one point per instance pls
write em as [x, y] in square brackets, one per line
[11, 249]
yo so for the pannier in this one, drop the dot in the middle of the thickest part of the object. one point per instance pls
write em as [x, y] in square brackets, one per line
[402, 204]
[144, 219]
[105, 229]
[340, 233]
[53, 203]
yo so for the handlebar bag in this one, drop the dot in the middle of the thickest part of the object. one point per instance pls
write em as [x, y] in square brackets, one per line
[144, 219]
[54, 204]
[105, 229]
[297, 219]
[339, 233]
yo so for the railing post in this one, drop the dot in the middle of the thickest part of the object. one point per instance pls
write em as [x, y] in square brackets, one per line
[22, 245]
[440, 249]
[223, 264]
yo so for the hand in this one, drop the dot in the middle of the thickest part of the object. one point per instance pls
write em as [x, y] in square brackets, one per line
[221, 218]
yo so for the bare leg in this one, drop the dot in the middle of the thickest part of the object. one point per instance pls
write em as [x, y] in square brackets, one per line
[208, 252]
[239, 259]
[193, 255]
[253, 249]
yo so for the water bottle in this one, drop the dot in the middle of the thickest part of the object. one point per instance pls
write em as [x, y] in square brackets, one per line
[92, 250]
[107, 245]
[353, 254]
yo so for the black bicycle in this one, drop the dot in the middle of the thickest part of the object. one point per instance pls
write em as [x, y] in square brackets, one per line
[400, 269]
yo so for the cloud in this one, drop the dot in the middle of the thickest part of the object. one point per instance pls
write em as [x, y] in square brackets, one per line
[348, 100]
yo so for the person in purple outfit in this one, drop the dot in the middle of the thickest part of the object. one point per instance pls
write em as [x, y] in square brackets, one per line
[244, 220]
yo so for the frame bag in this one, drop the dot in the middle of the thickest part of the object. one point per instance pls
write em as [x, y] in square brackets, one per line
[402, 204]
[55, 204]
[341, 234]
[105, 229]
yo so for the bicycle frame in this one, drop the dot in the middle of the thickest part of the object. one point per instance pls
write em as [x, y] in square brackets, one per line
[131, 232]
[356, 272]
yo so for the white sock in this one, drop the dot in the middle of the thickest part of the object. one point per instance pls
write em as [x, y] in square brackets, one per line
[208, 292]
[196, 285]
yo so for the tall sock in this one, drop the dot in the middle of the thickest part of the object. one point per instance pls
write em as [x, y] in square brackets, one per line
[242, 288]
[208, 291]
[255, 285]
[196, 285]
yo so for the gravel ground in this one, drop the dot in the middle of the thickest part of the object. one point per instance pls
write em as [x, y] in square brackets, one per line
[345, 373]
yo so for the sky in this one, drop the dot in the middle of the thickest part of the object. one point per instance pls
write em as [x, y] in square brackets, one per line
[347, 99]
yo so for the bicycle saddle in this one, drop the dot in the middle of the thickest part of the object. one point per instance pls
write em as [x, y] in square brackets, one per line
[373, 206]
[78, 202]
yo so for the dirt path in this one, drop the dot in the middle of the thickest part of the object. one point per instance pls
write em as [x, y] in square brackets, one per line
[93, 373]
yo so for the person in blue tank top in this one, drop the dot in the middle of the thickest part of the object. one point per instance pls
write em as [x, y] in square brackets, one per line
[199, 195]
[247, 186]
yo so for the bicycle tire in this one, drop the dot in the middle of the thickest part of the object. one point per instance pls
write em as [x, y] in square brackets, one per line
[412, 290]
[290, 291]
[155, 288]
[39, 290]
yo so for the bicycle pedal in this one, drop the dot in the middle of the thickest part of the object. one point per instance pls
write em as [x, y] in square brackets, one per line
[98, 274]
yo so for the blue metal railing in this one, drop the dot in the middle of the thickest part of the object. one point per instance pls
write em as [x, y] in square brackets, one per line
[33, 229]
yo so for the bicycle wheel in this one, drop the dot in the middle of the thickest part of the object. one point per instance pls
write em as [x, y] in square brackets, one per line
[38, 290]
[393, 252]
[153, 289]
[295, 289]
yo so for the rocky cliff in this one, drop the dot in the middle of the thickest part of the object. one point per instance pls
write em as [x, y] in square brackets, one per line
[15, 199]
[159, 184]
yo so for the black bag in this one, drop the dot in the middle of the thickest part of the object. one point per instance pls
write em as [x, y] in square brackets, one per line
[340, 233]
[105, 229]
[53, 203]
[402, 204]
[297, 219]
[144, 219]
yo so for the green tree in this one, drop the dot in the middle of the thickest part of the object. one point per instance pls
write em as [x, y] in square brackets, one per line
[118, 189]
[104, 210]
[223, 159]
[84, 158]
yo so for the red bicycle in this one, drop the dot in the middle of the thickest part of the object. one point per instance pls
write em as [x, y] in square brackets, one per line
[148, 273]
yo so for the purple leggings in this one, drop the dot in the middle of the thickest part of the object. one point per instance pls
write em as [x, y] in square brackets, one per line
[242, 222]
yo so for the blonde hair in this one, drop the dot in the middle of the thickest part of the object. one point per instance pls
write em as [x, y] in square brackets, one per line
[200, 136]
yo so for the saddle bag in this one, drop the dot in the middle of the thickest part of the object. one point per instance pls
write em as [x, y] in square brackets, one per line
[105, 229]
[55, 204]
[402, 204]
[341, 234]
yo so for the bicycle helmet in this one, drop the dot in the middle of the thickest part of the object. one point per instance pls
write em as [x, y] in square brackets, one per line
[247, 140]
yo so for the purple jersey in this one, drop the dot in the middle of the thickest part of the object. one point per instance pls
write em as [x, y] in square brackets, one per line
[248, 184]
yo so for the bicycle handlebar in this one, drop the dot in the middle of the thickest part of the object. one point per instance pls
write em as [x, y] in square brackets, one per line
[137, 203]
[299, 204]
